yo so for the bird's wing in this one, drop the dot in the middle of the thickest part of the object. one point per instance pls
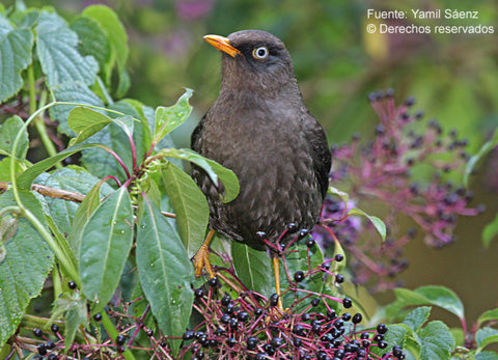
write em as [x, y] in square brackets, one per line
[322, 158]
[196, 135]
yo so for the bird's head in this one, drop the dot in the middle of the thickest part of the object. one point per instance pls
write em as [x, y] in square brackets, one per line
[254, 60]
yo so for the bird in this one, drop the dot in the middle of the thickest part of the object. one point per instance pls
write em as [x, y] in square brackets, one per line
[260, 128]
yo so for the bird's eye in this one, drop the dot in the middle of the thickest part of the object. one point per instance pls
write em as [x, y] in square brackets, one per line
[260, 53]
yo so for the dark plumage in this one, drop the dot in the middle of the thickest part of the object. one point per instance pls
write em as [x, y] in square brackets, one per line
[260, 128]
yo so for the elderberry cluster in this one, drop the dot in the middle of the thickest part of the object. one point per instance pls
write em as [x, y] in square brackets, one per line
[314, 325]
[381, 170]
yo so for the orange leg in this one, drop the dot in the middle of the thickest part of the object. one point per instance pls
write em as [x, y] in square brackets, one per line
[276, 272]
[201, 258]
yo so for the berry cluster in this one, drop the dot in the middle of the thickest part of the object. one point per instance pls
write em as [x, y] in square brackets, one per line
[382, 170]
[314, 325]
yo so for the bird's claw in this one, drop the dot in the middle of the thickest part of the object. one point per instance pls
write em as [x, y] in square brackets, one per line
[201, 262]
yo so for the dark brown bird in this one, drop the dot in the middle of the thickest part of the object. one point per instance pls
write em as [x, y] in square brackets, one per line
[260, 128]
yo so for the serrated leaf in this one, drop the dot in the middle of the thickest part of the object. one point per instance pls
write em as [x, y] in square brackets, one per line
[487, 147]
[217, 173]
[253, 268]
[490, 232]
[417, 317]
[376, 222]
[85, 123]
[15, 56]
[74, 92]
[8, 132]
[169, 118]
[437, 341]
[57, 49]
[26, 178]
[190, 206]
[116, 35]
[25, 267]
[94, 41]
[165, 271]
[486, 336]
[105, 243]
[489, 315]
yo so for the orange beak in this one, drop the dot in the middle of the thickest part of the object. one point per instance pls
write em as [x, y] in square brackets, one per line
[222, 44]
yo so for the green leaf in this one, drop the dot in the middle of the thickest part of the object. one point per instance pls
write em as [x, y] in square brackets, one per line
[25, 267]
[26, 178]
[5, 169]
[402, 335]
[437, 341]
[169, 118]
[116, 35]
[377, 223]
[72, 306]
[190, 206]
[489, 315]
[298, 261]
[487, 147]
[486, 355]
[338, 250]
[15, 56]
[430, 295]
[83, 213]
[8, 132]
[72, 179]
[341, 194]
[85, 123]
[73, 92]
[253, 268]
[216, 172]
[57, 49]
[490, 232]
[105, 244]
[417, 317]
[486, 336]
[165, 271]
[94, 42]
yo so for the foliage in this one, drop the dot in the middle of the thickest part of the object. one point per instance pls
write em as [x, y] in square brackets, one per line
[110, 238]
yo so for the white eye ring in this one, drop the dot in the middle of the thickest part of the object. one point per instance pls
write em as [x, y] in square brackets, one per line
[260, 53]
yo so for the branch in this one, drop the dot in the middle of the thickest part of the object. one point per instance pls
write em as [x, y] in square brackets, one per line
[63, 194]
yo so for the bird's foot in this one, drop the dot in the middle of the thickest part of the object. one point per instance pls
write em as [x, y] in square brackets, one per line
[201, 262]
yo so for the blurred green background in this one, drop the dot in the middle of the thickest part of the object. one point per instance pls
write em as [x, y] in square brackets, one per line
[453, 77]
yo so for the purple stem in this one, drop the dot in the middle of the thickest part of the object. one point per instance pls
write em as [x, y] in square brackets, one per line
[118, 159]
[133, 151]
[113, 178]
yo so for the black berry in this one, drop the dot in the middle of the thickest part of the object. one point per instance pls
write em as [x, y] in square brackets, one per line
[357, 318]
[347, 303]
[71, 284]
[310, 243]
[97, 317]
[120, 339]
[299, 276]
[339, 257]
[274, 300]
[382, 328]
[38, 332]
[55, 328]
